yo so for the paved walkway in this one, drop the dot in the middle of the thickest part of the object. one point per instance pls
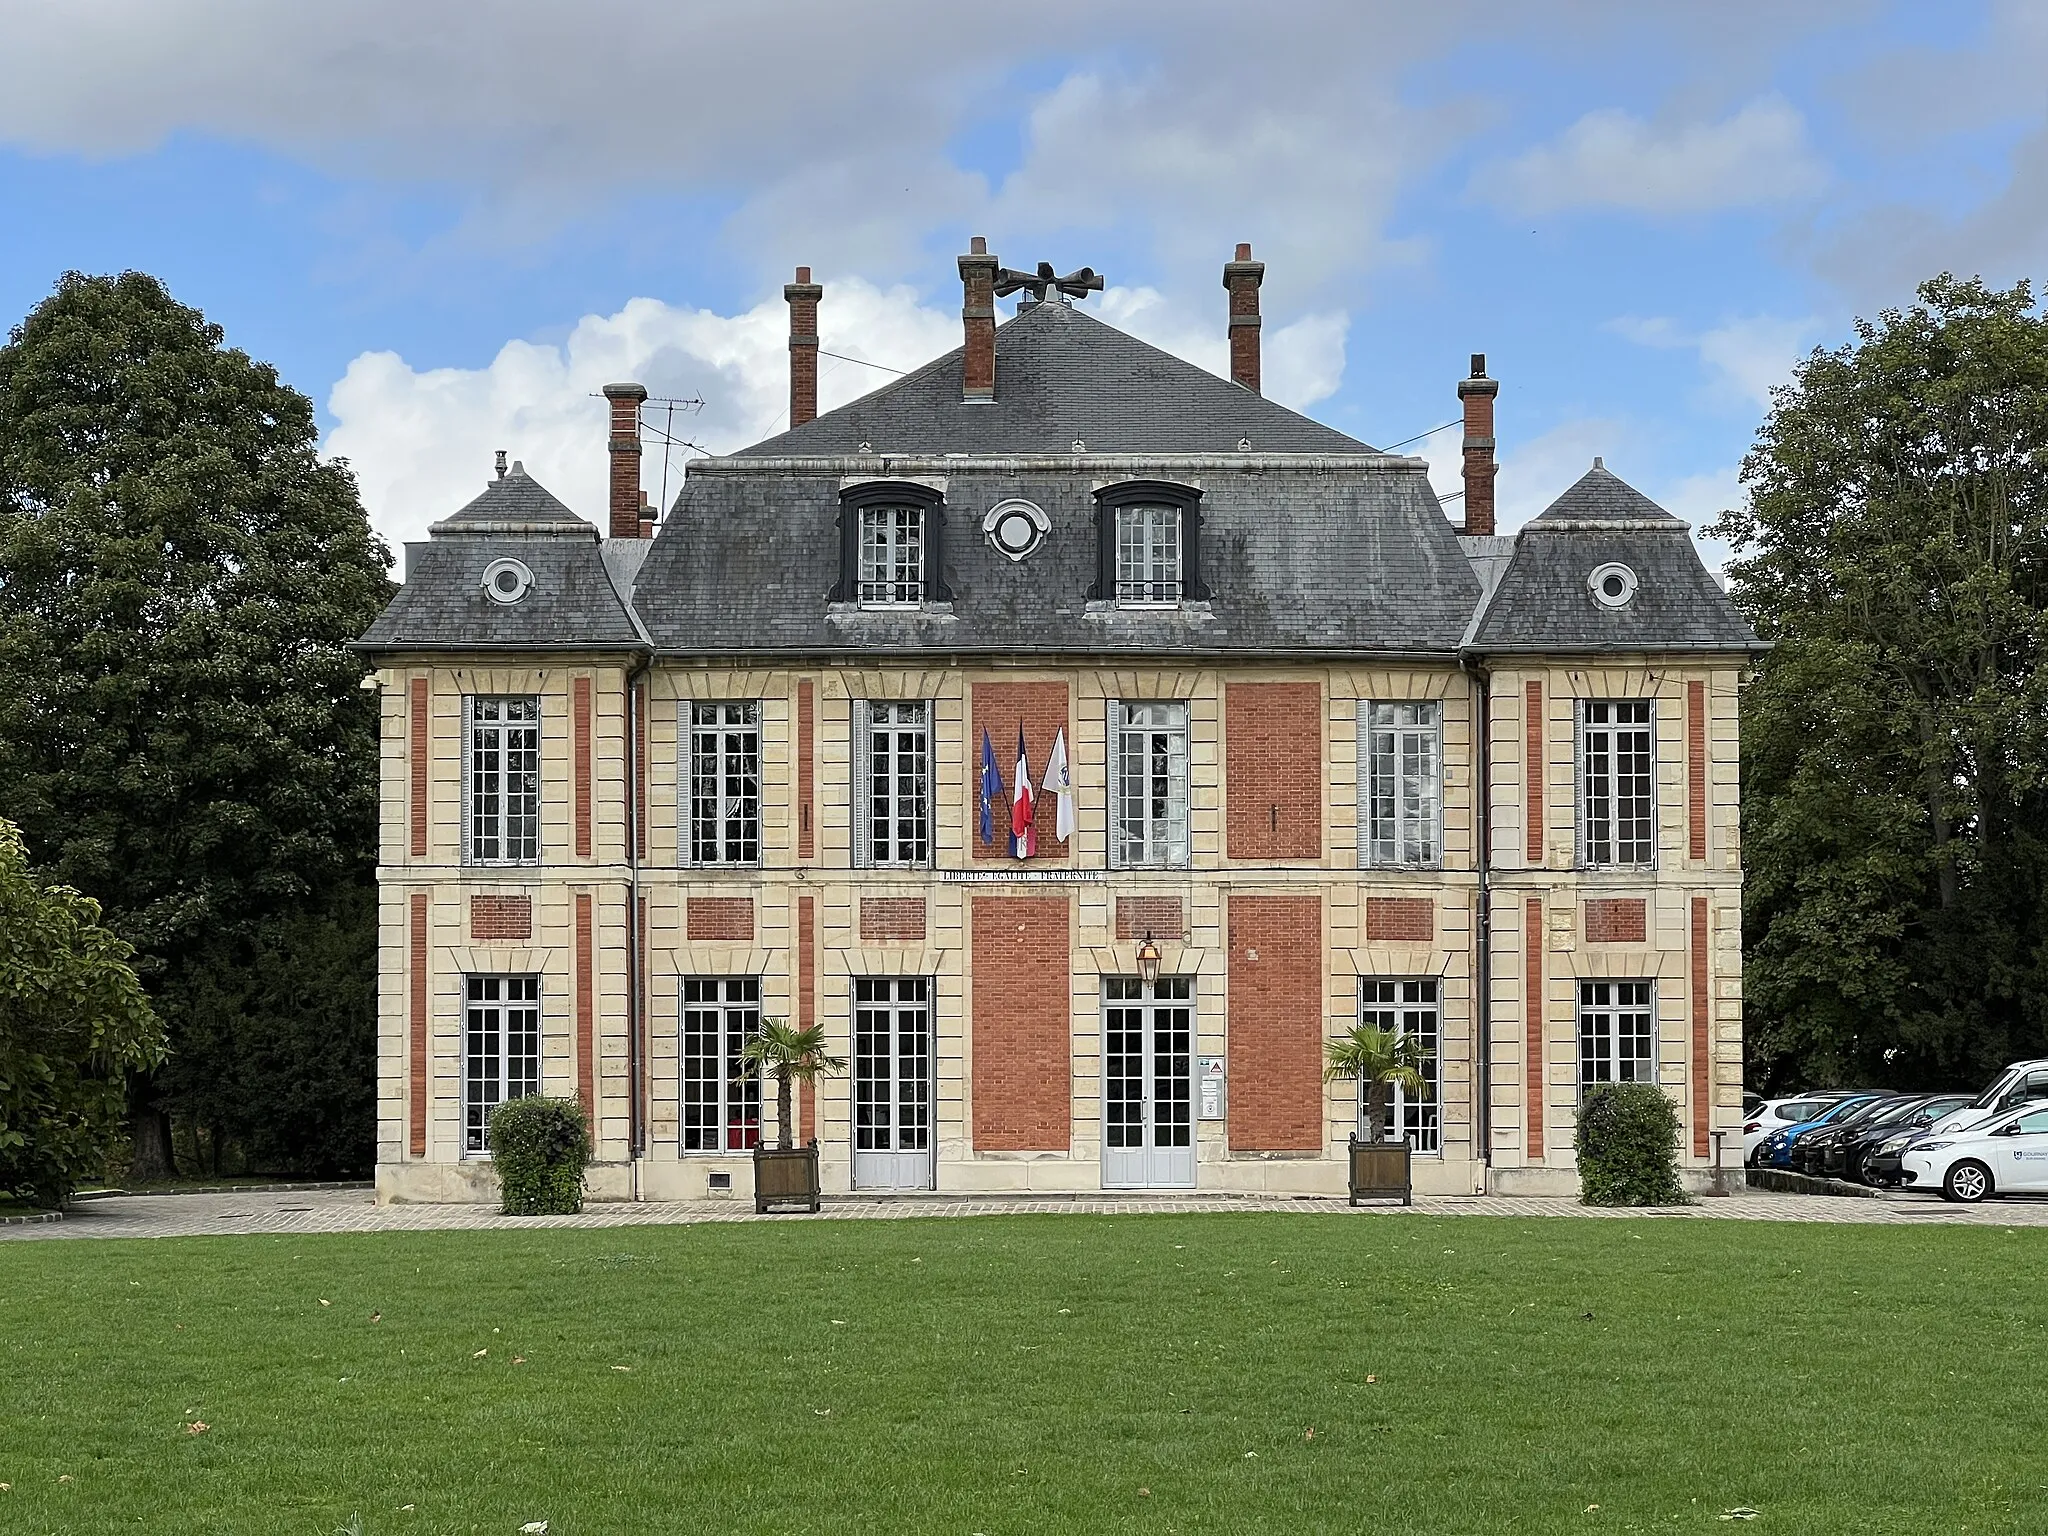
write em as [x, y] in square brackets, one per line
[354, 1211]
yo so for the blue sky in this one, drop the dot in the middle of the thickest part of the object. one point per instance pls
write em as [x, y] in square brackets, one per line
[448, 225]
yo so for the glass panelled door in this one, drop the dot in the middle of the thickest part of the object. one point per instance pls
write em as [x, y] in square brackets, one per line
[1148, 1079]
[892, 1082]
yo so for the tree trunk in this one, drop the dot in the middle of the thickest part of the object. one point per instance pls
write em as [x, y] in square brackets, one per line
[1375, 1110]
[786, 1127]
[153, 1160]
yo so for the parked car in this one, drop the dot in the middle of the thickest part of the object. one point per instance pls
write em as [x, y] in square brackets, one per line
[1775, 1114]
[2005, 1155]
[1775, 1150]
[1872, 1155]
[1820, 1155]
[2020, 1083]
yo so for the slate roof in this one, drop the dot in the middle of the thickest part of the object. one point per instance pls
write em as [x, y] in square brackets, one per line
[1062, 376]
[1601, 496]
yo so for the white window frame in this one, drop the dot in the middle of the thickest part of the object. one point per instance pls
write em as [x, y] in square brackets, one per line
[1149, 820]
[902, 802]
[1400, 780]
[723, 816]
[501, 1043]
[1149, 554]
[1408, 1005]
[1601, 739]
[725, 1011]
[501, 746]
[1617, 1032]
[889, 570]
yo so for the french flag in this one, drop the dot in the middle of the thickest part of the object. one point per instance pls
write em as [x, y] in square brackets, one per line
[1023, 809]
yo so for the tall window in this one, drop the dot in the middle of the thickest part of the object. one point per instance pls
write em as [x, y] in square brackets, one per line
[1401, 754]
[503, 779]
[1617, 815]
[1148, 553]
[500, 1050]
[891, 555]
[892, 783]
[1151, 790]
[721, 1093]
[1617, 1033]
[725, 783]
[1408, 1007]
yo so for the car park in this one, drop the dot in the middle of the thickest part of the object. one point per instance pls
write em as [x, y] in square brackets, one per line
[1820, 1155]
[1872, 1155]
[2005, 1155]
[1775, 1114]
[1775, 1150]
[2021, 1083]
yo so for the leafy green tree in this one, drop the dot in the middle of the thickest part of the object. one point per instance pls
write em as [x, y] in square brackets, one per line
[73, 1022]
[183, 734]
[1894, 548]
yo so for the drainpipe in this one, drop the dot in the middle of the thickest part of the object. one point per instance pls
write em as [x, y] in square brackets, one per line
[636, 1055]
[1482, 929]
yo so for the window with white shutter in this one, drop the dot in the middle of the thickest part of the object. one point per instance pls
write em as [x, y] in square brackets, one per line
[892, 783]
[1400, 780]
[1149, 771]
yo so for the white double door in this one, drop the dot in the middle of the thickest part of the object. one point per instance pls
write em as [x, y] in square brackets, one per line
[892, 1082]
[1148, 1083]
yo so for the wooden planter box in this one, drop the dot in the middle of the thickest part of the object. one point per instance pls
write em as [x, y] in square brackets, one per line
[1380, 1171]
[786, 1178]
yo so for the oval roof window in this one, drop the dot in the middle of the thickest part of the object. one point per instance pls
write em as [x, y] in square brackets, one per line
[1016, 527]
[1613, 585]
[507, 580]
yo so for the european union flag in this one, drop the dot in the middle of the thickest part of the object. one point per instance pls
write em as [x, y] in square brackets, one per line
[991, 788]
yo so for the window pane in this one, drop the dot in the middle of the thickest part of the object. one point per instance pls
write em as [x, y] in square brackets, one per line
[899, 783]
[1148, 557]
[504, 783]
[1617, 797]
[891, 555]
[1151, 791]
[721, 1094]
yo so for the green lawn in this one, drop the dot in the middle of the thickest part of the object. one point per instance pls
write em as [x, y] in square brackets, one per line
[1011, 1375]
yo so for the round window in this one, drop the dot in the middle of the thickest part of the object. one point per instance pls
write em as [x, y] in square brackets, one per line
[507, 580]
[1016, 527]
[1613, 585]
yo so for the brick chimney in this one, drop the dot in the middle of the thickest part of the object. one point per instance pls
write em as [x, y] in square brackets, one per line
[978, 316]
[803, 296]
[1476, 395]
[625, 449]
[1242, 278]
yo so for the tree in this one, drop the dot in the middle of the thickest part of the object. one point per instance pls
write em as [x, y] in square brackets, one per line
[793, 1055]
[1894, 548]
[183, 734]
[73, 1022]
[1381, 1059]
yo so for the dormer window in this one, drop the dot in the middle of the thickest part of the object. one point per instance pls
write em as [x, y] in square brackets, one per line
[1148, 539]
[891, 545]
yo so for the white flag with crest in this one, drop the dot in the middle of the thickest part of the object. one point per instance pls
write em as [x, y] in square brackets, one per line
[1060, 786]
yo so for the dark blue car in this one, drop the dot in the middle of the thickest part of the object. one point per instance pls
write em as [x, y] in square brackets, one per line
[1775, 1150]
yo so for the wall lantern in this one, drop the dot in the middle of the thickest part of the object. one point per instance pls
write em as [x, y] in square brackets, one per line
[1148, 961]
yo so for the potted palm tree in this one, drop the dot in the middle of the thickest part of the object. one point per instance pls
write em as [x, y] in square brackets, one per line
[1379, 1058]
[787, 1174]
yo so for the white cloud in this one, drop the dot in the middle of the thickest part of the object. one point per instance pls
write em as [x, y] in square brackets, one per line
[1536, 472]
[1613, 159]
[1745, 358]
[1302, 362]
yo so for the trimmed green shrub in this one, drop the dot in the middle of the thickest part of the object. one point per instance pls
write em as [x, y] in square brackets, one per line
[1627, 1143]
[540, 1147]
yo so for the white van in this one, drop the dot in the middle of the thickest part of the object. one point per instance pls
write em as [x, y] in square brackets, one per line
[2017, 1084]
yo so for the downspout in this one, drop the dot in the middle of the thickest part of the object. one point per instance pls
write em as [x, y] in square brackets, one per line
[1482, 928]
[636, 1055]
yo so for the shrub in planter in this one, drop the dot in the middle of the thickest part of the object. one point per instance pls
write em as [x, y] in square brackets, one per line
[1627, 1143]
[540, 1147]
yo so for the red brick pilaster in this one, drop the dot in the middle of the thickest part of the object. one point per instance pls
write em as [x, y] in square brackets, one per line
[1532, 1018]
[418, 1086]
[1702, 1032]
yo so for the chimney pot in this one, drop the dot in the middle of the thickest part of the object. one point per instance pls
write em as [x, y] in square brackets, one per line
[1241, 278]
[624, 400]
[802, 297]
[978, 245]
[1476, 394]
[978, 320]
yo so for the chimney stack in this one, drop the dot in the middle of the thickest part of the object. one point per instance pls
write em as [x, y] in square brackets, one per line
[803, 296]
[1476, 395]
[1242, 278]
[978, 316]
[625, 450]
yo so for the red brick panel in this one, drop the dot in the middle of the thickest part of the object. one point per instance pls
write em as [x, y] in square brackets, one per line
[891, 919]
[417, 750]
[1534, 767]
[1275, 1024]
[1617, 920]
[586, 1009]
[1400, 919]
[999, 708]
[806, 784]
[640, 806]
[418, 1025]
[1532, 1018]
[1273, 770]
[1696, 766]
[728, 918]
[1160, 916]
[1023, 1043]
[807, 1003]
[580, 747]
[1702, 1032]
[500, 917]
